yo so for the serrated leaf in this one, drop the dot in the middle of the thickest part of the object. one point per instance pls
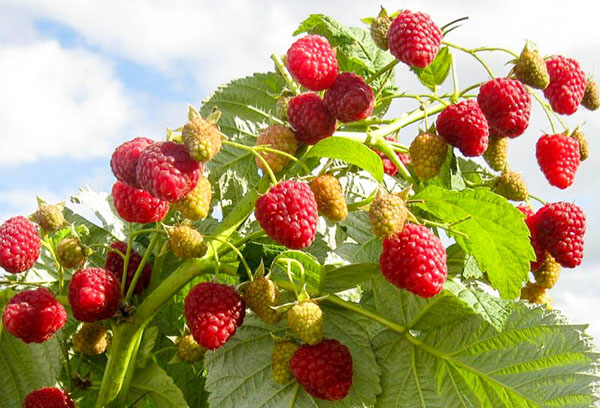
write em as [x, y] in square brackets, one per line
[335, 280]
[460, 263]
[26, 367]
[350, 151]
[100, 204]
[497, 236]
[366, 247]
[436, 73]
[255, 253]
[152, 383]
[241, 371]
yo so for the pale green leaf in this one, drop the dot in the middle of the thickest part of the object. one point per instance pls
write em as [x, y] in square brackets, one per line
[153, 384]
[436, 73]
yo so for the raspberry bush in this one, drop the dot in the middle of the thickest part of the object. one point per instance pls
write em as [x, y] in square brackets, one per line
[293, 243]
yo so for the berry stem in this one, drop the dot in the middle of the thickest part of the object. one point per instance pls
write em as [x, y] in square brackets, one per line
[382, 71]
[548, 110]
[120, 402]
[239, 254]
[455, 94]
[126, 260]
[536, 198]
[294, 395]
[109, 248]
[404, 120]
[446, 227]
[473, 53]
[252, 150]
[140, 267]
[284, 154]
[383, 146]
[285, 74]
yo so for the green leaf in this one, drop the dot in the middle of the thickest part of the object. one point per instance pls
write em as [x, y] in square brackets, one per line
[497, 236]
[346, 277]
[366, 247]
[298, 261]
[101, 206]
[436, 73]
[255, 253]
[241, 371]
[350, 151]
[146, 346]
[26, 367]
[460, 263]
[153, 384]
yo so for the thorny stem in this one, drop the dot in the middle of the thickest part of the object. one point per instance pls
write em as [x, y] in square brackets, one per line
[285, 74]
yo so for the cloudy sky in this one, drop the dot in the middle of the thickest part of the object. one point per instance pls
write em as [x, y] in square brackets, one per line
[78, 78]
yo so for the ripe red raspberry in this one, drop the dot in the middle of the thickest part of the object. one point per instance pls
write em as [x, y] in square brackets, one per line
[213, 313]
[464, 125]
[49, 397]
[560, 228]
[114, 264]
[389, 167]
[288, 214]
[506, 105]
[135, 205]
[324, 370]
[125, 158]
[34, 315]
[312, 62]
[414, 39]
[537, 247]
[350, 98]
[167, 171]
[567, 84]
[19, 244]
[310, 118]
[558, 157]
[94, 294]
[415, 259]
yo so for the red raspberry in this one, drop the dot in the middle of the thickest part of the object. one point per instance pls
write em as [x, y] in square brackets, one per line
[506, 105]
[558, 157]
[526, 210]
[415, 259]
[559, 228]
[166, 170]
[310, 118]
[350, 98]
[537, 247]
[125, 158]
[312, 62]
[288, 214]
[19, 244]
[94, 294]
[324, 370]
[414, 39]
[464, 125]
[567, 84]
[49, 397]
[135, 205]
[389, 167]
[34, 315]
[114, 263]
[213, 313]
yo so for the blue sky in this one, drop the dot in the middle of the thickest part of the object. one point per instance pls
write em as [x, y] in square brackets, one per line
[78, 78]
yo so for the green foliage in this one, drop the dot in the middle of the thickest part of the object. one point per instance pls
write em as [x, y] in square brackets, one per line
[436, 73]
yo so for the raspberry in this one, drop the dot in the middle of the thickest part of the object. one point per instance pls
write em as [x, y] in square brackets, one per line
[283, 103]
[70, 253]
[50, 218]
[511, 186]
[19, 244]
[196, 204]
[496, 154]
[526, 210]
[558, 158]
[202, 139]
[91, 339]
[567, 84]
[506, 105]
[114, 263]
[288, 214]
[135, 205]
[276, 137]
[213, 313]
[464, 125]
[33, 315]
[584, 150]
[330, 197]
[280, 361]
[188, 350]
[186, 242]
[350, 98]
[324, 370]
[167, 171]
[379, 29]
[535, 293]
[530, 68]
[530, 218]
[306, 320]
[428, 152]
[94, 294]
[261, 294]
[124, 160]
[309, 116]
[312, 62]
[387, 215]
[48, 398]
[389, 167]
[415, 260]
[547, 274]
[560, 228]
[591, 96]
[414, 39]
